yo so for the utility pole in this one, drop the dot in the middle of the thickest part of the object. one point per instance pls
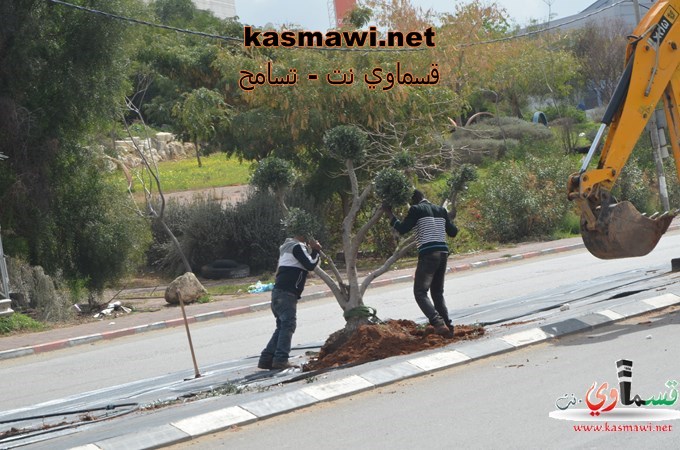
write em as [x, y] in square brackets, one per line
[653, 130]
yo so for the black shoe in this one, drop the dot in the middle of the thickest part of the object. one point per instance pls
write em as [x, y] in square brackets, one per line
[443, 331]
[282, 365]
[264, 365]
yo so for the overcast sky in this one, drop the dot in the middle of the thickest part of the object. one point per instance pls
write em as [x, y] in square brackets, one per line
[313, 14]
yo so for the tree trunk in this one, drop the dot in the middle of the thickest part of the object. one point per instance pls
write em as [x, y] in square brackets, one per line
[198, 153]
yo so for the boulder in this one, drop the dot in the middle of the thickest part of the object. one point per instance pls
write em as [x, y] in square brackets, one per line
[187, 287]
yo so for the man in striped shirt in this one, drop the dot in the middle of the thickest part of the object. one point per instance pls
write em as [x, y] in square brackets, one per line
[432, 224]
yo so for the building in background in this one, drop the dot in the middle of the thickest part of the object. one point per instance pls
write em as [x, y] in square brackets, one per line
[338, 9]
[603, 10]
[221, 8]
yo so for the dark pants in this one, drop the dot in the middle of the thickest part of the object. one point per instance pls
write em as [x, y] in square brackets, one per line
[284, 307]
[430, 277]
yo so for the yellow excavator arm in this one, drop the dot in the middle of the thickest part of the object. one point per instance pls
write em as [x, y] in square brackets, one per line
[652, 73]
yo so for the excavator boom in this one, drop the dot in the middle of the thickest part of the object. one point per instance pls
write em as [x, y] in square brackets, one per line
[612, 229]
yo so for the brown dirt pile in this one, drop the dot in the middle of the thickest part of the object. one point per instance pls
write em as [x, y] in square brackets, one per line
[372, 342]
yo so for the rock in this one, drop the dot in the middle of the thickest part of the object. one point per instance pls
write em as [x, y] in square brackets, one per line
[185, 286]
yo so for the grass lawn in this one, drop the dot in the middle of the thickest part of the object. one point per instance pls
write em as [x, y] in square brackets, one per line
[184, 175]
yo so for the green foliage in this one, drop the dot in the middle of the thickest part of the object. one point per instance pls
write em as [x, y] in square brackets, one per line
[346, 142]
[392, 187]
[634, 185]
[91, 234]
[184, 175]
[56, 90]
[174, 12]
[404, 161]
[201, 227]
[273, 173]
[521, 199]
[19, 322]
[461, 176]
[565, 111]
[496, 138]
[200, 113]
[299, 222]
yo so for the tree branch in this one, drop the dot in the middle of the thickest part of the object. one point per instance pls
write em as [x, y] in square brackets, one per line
[407, 245]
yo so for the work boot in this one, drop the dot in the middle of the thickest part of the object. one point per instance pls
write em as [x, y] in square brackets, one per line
[443, 331]
[282, 365]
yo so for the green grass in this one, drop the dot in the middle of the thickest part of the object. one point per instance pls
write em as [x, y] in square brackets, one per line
[184, 175]
[19, 322]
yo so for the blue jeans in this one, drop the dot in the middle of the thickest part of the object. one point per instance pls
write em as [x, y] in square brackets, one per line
[284, 307]
[430, 277]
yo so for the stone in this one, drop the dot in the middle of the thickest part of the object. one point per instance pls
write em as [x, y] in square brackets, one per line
[187, 287]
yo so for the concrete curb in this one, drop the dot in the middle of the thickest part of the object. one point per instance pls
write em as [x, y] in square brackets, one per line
[420, 364]
[66, 343]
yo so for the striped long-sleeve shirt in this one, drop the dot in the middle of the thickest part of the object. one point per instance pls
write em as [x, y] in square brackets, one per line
[432, 224]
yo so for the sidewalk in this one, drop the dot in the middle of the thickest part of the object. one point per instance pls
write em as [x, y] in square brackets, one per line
[228, 305]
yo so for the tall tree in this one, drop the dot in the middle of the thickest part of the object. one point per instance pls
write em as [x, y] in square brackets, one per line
[62, 71]
[599, 47]
[200, 113]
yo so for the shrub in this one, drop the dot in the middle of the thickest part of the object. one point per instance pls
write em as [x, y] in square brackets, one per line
[249, 232]
[200, 228]
[634, 185]
[522, 199]
[565, 112]
[18, 322]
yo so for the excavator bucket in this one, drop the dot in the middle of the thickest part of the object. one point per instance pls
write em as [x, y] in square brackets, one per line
[623, 232]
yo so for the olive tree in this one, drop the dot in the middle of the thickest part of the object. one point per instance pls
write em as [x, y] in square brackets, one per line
[389, 187]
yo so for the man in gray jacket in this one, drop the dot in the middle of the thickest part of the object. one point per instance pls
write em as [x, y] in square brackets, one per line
[295, 262]
[432, 224]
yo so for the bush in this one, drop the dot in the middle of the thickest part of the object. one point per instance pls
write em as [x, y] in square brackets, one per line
[18, 322]
[634, 185]
[565, 112]
[249, 232]
[522, 199]
[487, 139]
[91, 233]
[200, 228]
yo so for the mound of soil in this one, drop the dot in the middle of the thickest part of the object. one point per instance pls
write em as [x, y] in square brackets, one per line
[372, 342]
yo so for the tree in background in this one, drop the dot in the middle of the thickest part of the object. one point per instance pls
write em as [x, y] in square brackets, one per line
[200, 114]
[600, 48]
[62, 71]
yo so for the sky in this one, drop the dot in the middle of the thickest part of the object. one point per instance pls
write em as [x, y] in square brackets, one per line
[313, 14]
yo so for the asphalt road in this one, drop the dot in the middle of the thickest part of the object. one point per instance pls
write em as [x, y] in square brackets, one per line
[533, 289]
[97, 366]
[498, 402]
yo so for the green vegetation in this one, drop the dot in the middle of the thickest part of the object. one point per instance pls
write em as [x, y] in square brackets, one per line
[335, 152]
[18, 322]
[217, 171]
